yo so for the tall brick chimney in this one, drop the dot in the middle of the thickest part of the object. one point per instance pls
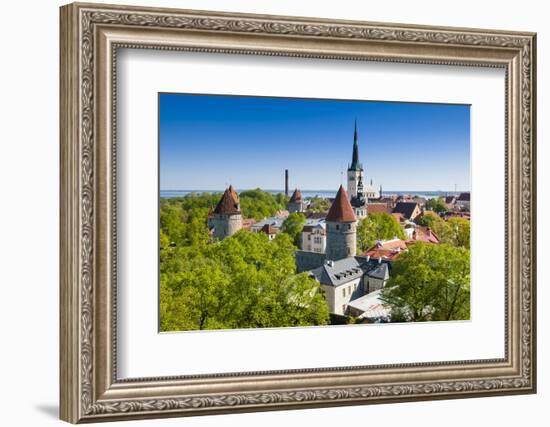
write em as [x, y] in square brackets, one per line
[286, 182]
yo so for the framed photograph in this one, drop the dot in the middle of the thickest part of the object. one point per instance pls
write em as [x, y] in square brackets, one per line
[266, 212]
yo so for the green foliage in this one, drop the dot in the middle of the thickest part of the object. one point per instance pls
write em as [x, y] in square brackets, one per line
[430, 282]
[319, 205]
[428, 219]
[196, 200]
[259, 204]
[459, 232]
[244, 281]
[377, 226]
[436, 204]
[454, 231]
[281, 199]
[180, 227]
[294, 225]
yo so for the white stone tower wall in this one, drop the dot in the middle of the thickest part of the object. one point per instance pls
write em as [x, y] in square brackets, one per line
[341, 240]
[226, 225]
[295, 207]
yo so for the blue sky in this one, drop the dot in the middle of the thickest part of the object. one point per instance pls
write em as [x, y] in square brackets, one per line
[208, 142]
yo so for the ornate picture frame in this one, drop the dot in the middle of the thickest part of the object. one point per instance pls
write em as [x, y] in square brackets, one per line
[90, 37]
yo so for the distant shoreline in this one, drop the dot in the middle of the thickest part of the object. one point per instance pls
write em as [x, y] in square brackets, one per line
[316, 193]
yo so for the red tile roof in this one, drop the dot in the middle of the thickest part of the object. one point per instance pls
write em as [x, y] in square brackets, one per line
[227, 204]
[425, 234]
[234, 194]
[341, 210]
[378, 208]
[388, 254]
[249, 222]
[391, 244]
[269, 229]
[388, 249]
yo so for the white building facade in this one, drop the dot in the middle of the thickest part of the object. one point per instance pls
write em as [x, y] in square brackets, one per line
[314, 238]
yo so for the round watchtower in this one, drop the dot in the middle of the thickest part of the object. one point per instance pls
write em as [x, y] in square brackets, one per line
[226, 219]
[341, 224]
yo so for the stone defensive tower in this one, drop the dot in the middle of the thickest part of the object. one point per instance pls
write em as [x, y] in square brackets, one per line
[341, 224]
[296, 203]
[226, 218]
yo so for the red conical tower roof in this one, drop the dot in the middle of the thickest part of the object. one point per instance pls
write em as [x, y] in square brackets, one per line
[234, 194]
[296, 196]
[341, 210]
[227, 204]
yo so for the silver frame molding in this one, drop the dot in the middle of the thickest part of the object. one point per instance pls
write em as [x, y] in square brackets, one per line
[90, 37]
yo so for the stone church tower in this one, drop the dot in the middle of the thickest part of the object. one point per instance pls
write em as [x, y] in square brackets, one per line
[355, 181]
[341, 225]
[226, 218]
[355, 169]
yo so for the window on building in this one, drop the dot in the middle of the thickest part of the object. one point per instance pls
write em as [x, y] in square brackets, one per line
[344, 309]
[349, 226]
[338, 226]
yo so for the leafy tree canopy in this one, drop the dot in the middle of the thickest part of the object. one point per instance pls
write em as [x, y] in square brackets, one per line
[428, 218]
[377, 226]
[260, 204]
[294, 225]
[430, 282]
[319, 205]
[244, 281]
[436, 204]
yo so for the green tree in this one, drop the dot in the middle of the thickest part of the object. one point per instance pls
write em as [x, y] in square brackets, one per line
[294, 225]
[429, 218]
[377, 226]
[430, 282]
[436, 204]
[172, 223]
[460, 232]
[281, 199]
[454, 231]
[260, 204]
[319, 204]
[244, 281]
[193, 297]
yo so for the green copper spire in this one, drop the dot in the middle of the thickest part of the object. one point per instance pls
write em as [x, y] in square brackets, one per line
[355, 165]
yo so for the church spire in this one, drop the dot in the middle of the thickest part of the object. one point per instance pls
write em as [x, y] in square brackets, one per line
[355, 165]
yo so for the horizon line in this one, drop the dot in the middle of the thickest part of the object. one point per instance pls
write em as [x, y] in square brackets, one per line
[312, 190]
